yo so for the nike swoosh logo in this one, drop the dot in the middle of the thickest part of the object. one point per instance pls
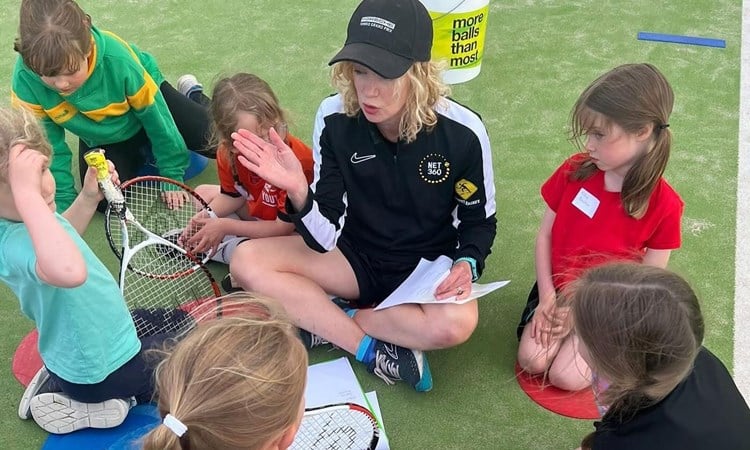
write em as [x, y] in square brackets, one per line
[356, 159]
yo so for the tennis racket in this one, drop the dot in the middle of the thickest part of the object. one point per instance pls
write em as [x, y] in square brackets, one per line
[342, 426]
[158, 278]
[143, 198]
[171, 304]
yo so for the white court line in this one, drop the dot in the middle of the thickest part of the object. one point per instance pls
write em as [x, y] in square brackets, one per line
[742, 249]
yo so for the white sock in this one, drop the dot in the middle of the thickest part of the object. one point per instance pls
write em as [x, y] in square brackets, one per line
[226, 248]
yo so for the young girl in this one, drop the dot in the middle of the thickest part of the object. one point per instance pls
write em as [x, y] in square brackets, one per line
[609, 202]
[93, 360]
[640, 329]
[236, 382]
[109, 93]
[247, 206]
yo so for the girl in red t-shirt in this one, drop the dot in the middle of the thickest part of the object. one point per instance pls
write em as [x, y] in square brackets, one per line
[609, 202]
[246, 206]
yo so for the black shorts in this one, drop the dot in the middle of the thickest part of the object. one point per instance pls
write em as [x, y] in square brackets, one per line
[528, 312]
[376, 278]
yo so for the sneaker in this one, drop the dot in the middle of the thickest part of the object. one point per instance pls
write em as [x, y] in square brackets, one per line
[59, 414]
[40, 384]
[229, 285]
[345, 305]
[394, 363]
[187, 85]
[311, 340]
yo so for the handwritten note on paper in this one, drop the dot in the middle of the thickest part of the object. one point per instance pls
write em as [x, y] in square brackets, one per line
[333, 382]
[421, 284]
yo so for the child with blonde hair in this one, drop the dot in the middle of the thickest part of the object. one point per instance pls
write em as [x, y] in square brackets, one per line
[609, 202]
[640, 330]
[93, 359]
[233, 383]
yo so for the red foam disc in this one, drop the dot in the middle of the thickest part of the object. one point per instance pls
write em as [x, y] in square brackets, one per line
[578, 405]
[26, 360]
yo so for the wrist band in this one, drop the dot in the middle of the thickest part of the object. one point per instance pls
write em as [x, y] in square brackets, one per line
[472, 263]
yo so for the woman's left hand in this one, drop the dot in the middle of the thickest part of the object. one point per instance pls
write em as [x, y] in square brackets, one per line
[456, 284]
[275, 162]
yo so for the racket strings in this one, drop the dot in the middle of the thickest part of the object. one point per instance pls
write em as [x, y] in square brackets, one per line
[337, 428]
[160, 305]
[144, 199]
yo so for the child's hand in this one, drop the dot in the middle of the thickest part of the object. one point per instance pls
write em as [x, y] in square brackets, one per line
[25, 169]
[209, 236]
[194, 225]
[90, 187]
[175, 199]
[560, 322]
[541, 326]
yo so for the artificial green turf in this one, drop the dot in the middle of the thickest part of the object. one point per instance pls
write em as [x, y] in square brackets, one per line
[539, 56]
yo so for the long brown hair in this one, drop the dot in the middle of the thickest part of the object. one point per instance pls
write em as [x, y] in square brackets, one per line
[635, 97]
[423, 84]
[54, 36]
[235, 382]
[242, 92]
[642, 328]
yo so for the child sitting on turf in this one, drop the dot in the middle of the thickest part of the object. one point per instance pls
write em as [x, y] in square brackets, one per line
[109, 93]
[609, 202]
[640, 329]
[93, 362]
[247, 206]
[236, 382]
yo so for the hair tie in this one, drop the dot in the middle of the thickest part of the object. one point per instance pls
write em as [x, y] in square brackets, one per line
[663, 126]
[174, 424]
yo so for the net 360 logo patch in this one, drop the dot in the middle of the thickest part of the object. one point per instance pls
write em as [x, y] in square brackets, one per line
[434, 168]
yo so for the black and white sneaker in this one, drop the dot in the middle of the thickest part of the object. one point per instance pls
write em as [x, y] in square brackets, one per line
[393, 363]
[188, 85]
[311, 340]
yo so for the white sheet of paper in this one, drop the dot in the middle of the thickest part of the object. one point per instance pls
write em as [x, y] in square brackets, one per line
[333, 382]
[420, 286]
[372, 397]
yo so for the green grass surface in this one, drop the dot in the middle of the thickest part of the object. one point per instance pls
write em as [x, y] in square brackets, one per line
[539, 56]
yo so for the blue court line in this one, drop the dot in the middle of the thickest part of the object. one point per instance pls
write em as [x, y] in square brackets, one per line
[677, 39]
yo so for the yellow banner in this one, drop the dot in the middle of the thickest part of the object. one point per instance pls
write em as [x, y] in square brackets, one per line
[459, 37]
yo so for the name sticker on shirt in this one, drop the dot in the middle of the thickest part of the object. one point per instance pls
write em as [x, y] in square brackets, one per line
[586, 202]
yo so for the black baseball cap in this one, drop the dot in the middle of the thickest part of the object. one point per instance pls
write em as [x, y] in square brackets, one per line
[388, 36]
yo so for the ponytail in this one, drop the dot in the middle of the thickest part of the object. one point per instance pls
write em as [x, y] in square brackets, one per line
[642, 178]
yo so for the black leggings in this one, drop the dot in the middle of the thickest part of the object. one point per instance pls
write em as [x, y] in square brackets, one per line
[135, 378]
[130, 156]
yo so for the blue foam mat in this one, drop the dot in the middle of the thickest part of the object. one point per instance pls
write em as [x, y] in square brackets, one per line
[140, 420]
[679, 39]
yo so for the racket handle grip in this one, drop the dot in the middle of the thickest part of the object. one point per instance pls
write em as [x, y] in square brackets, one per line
[95, 158]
